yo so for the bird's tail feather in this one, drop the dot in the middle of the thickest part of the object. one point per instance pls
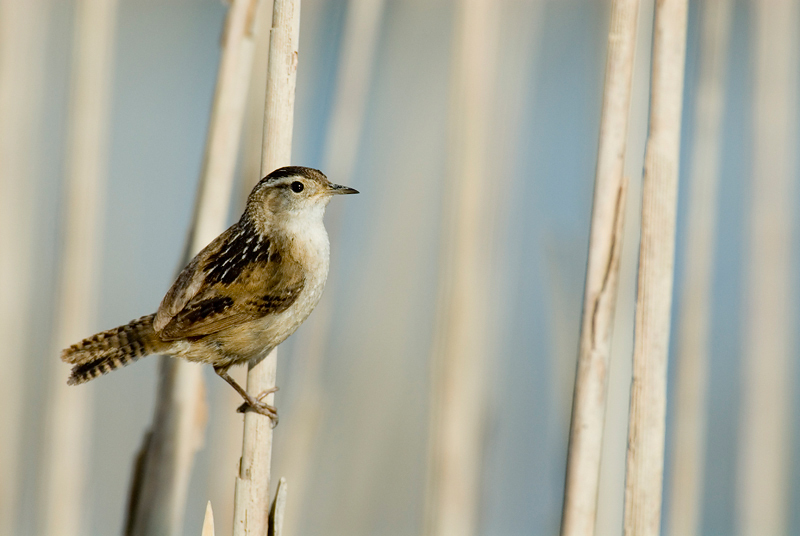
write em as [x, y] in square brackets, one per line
[109, 350]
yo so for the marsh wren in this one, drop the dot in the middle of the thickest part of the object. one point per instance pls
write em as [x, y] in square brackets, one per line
[241, 296]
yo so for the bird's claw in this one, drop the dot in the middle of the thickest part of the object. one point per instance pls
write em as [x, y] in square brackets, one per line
[259, 406]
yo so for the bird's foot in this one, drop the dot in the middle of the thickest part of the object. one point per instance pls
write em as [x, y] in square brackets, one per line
[259, 406]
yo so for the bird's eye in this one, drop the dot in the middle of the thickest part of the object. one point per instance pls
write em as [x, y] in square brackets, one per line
[297, 187]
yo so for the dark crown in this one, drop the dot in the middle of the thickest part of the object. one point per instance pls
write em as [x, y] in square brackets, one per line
[295, 171]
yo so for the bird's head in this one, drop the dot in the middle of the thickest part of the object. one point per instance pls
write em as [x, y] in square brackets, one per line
[292, 192]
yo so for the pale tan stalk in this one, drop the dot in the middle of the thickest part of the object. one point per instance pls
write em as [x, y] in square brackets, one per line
[208, 521]
[277, 513]
[605, 243]
[692, 354]
[611, 486]
[342, 140]
[23, 38]
[645, 459]
[159, 491]
[766, 426]
[458, 403]
[67, 447]
[251, 497]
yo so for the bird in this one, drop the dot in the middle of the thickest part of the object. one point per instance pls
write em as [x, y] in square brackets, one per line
[241, 296]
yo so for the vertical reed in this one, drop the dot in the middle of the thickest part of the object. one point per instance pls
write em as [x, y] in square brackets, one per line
[692, 354]
[162, 474]
[23, 35]
[458, 387]
[591, 381]
[645, 459]
[765, 455]
[611, 486]
[208, 521]
[66, 450]
[251, 497]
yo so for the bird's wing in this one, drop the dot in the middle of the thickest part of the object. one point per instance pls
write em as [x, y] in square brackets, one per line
[240, 276]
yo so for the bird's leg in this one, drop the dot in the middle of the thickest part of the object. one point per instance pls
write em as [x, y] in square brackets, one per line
[251, 403]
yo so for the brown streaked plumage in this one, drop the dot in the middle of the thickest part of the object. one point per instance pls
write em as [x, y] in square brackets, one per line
[241, 296]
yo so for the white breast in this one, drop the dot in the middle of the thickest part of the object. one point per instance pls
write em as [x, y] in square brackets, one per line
[310, 246]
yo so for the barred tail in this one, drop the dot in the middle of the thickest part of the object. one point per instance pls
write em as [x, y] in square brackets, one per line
[112, 349]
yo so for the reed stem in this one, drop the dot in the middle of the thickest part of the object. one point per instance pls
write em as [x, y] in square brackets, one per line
[646, 429]
[605, 244]
[251, 497]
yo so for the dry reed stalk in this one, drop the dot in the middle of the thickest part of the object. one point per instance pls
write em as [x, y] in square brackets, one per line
[277, 513]
[458, 402]
[591, 381]
[66, 450]
[251, 497]
[765, 455]
[342, 140]
[161, 477]
[692, 354]
[611, 486]
[645, 459]
[208, 521]
[23, 38]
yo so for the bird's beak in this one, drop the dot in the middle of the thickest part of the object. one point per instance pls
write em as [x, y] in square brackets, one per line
[338, 189]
